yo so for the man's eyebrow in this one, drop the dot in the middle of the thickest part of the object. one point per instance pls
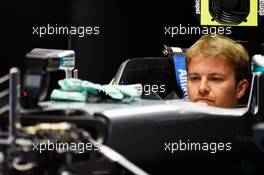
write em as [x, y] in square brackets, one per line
[211, 74]
[216, 74]
[193, 73]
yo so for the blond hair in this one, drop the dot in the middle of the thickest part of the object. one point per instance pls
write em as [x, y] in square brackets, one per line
[224, 47]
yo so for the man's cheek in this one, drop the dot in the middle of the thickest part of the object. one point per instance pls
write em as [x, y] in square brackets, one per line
[188, 85]
[221, 95]
[191, 90]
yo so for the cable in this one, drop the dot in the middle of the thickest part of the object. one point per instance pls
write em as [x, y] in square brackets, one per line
[22, 167]
[4, 78]
[4, 93]
[4, 109]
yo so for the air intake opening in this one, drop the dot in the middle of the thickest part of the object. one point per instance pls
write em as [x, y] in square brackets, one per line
[229, 11]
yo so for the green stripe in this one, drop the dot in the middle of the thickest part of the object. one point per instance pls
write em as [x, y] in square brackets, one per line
[257, 68]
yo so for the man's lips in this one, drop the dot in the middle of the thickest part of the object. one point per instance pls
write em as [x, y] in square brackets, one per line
[204, 100]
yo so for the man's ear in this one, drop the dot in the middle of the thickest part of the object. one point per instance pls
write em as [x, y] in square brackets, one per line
[242, 88]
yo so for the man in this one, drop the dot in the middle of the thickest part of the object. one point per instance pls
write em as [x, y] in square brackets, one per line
[218, 69]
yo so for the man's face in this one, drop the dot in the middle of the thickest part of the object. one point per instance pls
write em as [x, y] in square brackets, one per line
[212, 81]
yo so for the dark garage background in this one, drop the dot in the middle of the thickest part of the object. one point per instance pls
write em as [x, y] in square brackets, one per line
[127, 29]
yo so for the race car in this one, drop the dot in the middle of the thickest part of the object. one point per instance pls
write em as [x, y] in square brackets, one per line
[159, 133]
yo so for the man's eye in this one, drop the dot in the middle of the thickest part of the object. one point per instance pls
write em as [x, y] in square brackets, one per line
[194, 78]
[216, 79]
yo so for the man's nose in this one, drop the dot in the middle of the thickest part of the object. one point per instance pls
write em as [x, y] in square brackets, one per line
[203, 87]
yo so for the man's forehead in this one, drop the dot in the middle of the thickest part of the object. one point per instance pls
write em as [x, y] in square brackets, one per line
[209, 65]
[201, 57]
